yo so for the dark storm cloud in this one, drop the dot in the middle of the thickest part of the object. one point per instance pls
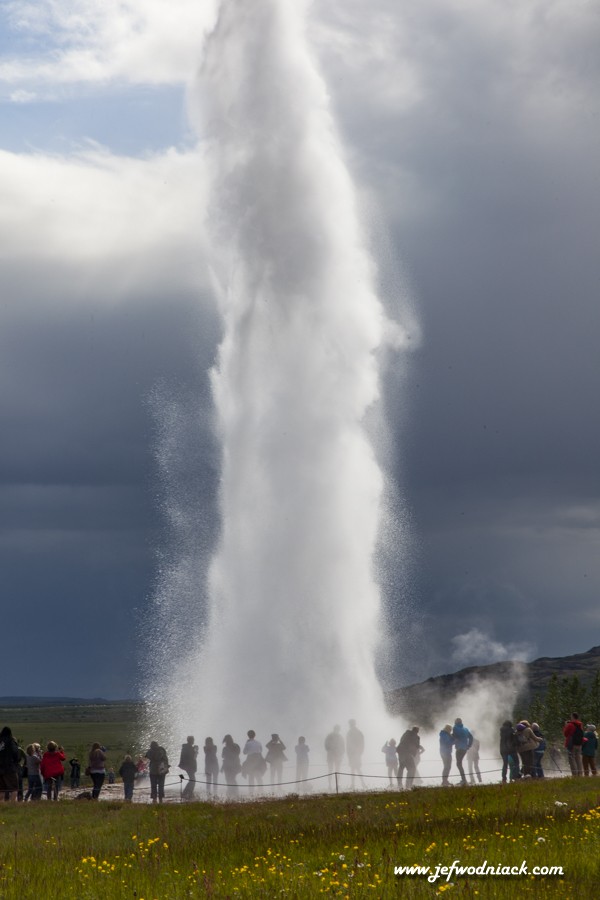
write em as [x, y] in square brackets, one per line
[104, 303]
[479, 140]
[80, 489]
[506, 383]
[77, 379]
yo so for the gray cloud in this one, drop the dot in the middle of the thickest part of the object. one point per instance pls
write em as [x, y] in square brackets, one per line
[477, 130]
[82, 506]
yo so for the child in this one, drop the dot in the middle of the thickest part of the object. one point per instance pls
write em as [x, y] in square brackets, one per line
[75, 772]
[128, 772]
[391, 758]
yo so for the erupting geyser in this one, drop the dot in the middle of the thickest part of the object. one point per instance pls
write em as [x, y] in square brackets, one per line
[294, 616]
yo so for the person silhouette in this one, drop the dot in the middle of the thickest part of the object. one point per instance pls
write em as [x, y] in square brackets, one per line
[446, 745]
[127, 772]
[462, 741]
[158, 770]
[391, 758]
[302, 751]
[211, 765]
[473, 759]
[276, 758]
[335, 747]
[254, 765]
[9, 766]
[188, 761]
[408, 750]
[355, 745]
[231, 766]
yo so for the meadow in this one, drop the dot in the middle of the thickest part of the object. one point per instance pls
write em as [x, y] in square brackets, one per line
[345, 845]
[114, 725]
[297, 846]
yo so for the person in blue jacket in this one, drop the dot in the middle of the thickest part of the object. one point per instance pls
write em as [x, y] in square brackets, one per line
[462, 741]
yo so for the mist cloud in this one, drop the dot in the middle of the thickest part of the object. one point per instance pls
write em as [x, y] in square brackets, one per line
[476, 648]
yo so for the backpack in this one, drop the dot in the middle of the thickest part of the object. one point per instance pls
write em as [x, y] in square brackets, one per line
[9, 755]
[577, 736]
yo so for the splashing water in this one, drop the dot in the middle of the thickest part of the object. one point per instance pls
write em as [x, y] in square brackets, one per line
[294, 613]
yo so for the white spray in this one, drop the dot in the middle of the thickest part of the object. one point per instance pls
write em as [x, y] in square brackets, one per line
[294, 613]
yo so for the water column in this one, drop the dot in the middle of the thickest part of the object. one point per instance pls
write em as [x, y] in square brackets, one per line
[295, 607]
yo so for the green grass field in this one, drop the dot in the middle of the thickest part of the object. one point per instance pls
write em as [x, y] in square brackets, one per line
[346, 845]
[114, 725]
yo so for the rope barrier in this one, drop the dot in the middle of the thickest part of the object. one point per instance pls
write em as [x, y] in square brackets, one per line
[50, 786]
[330, 776]
[410, 780]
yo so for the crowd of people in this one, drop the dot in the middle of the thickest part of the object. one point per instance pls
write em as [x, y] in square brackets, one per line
[522, 747]
[402, 758]
[44, 770]
[253, 767]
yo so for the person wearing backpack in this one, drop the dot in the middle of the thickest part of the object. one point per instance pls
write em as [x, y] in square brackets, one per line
[573, 732]
[527, 743]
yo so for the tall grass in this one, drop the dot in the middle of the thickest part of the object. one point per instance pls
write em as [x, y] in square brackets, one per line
[346, 845]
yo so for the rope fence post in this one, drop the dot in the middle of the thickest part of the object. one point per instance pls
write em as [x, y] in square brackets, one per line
[336, 783]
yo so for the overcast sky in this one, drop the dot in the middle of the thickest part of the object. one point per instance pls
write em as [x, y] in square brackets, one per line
[472, 128]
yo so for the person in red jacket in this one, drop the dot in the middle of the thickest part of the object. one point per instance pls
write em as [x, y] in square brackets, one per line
[52, 770]
[573, 732]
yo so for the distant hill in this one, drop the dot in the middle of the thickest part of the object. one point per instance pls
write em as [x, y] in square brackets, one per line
[422, 701]
[6, 702]
[430, 698]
